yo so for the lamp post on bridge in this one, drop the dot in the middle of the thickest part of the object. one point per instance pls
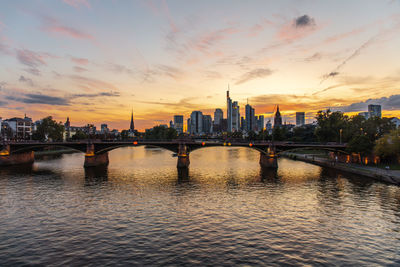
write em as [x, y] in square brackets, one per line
[340, 136]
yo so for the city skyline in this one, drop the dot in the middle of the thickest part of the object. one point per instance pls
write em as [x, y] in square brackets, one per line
[168, 57]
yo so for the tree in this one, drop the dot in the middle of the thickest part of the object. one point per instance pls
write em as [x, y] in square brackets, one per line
[329, 125]
[161, 133]
[304, 133]
[49, 129]
[360, 144]
[79, 135]
[279, 133]
[388, 146]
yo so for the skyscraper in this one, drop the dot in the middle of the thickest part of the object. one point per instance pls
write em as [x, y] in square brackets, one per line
[278, 118]
[250, 119]
[178, 123]
[218, 116]
[207, 123]
[300, 118]
[235, 118]
[375, 111]
[196, 122]
[229, 111]
[260, 123]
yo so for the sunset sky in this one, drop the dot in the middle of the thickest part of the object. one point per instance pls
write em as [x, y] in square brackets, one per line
[95, 60]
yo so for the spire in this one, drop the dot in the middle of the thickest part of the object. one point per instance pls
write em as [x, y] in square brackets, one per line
[227, 92]
[132, 126]
[277, 109]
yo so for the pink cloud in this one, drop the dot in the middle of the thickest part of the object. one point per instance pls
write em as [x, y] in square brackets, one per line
[52, 25]
[80, 61]
[77, 3]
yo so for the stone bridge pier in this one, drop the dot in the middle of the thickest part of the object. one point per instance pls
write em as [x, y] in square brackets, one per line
[92, 159]
[269, 159]
[183, 157]
[6, 158]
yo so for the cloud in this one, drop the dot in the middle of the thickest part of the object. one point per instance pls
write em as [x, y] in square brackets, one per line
[33, 71]
[40, 99]
[30, 58]
[3, 103]
[54, 26]
[387, 103]
[314, 57]
[91, 84]
[110, 94]
[304, 21]
[79, 69]
[77, 3]
[353, 55]
[117, 68]
[254, 74]
[28, 81]
[80, 61]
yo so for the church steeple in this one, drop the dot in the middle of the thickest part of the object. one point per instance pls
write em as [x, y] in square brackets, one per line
[132, 126]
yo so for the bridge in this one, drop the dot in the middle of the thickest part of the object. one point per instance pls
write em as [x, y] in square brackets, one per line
[96, 152]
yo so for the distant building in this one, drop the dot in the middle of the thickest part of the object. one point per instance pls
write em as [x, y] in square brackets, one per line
[242, 124]
[375, 111]
[104, 129]
[260, 123]
[250, 118]
[21, 128]
[218, 116]
[268, 126]
[178, 123]
[196, 122]
[233, 114]
[189, 130]
[207, 124]
[131, 131]
[364, 114]
[278, 118]
[300, 118]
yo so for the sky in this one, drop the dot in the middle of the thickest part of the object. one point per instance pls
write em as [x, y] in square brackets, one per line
[96, 60]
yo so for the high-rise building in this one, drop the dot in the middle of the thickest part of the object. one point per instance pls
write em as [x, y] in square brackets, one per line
[207, 123]
[235, 121]
[218, 116]
[300, 118]
[250, 119]
[375, 111]
[229, 111]
[260, 123]
[189, 130]
[178, 123]
[242, 124]
[268, 126]
[104, 128]
[278, 118]
[196, 122]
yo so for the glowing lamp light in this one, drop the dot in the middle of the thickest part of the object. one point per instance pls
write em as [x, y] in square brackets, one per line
[224, 144]
[229, 144]
[250, 145]
[203, 143]
[135, 143]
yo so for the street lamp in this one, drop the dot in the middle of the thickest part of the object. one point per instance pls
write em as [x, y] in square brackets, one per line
[340, 136]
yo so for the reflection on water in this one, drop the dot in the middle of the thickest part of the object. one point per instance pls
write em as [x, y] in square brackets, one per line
[225, 210]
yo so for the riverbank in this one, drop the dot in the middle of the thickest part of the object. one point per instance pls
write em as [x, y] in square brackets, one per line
[389, 176]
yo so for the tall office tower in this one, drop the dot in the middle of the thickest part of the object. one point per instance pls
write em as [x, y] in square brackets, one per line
[242, 124]
[207, 123]
[278, 118]
[178, 123]
[375, 111]
[229, 111]
[300, 118]
[260, 123]
[189, 130]
[196, 122]
[218, 116]
[235, 121]
[250, 119]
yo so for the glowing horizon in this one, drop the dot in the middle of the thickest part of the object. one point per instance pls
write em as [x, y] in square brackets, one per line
[94, 61]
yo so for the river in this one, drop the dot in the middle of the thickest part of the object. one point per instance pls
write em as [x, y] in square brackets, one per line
[226, 211]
